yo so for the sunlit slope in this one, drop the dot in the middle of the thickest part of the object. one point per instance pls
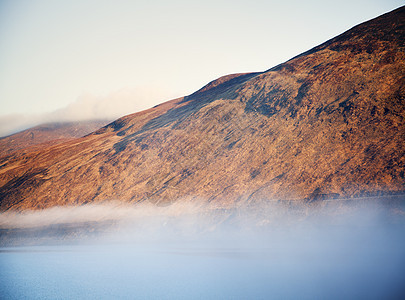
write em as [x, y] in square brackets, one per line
[326, 124]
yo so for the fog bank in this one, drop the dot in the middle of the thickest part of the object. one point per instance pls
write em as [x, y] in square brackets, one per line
[331, 250]
[199, 220]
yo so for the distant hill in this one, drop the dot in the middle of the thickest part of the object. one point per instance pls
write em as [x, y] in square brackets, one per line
[50, 133]
[326, 124]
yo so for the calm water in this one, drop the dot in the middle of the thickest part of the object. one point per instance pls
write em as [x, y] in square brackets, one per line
[327, 265]
[341, 254]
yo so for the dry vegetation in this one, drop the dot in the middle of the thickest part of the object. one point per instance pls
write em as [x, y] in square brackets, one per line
[326, 124]
[46, 135]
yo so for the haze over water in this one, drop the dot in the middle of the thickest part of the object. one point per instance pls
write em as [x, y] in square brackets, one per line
[178, 252]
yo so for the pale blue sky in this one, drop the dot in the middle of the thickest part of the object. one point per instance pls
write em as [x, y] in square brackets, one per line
[59, 53]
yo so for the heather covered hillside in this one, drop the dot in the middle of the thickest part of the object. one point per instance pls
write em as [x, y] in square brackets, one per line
[326, 124]
[50, 133]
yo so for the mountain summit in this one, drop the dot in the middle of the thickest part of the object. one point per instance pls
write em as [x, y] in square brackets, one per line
[326, 124]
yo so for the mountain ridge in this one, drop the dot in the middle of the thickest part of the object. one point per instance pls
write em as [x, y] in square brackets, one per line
[328, 123]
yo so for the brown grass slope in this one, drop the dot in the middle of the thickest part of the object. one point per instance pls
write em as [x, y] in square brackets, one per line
[328, 123]
[49, 133]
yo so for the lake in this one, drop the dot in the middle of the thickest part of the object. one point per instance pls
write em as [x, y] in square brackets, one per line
[357, 258]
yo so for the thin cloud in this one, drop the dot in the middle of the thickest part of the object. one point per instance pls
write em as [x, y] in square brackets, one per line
[90, 107]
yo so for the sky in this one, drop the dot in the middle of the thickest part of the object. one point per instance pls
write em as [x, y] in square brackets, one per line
[85, 59]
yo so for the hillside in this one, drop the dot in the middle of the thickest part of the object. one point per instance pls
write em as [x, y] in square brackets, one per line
[326, 124]
[50, 133]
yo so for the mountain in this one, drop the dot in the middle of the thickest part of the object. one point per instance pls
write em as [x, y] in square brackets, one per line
[326, 124]
[47, 134]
